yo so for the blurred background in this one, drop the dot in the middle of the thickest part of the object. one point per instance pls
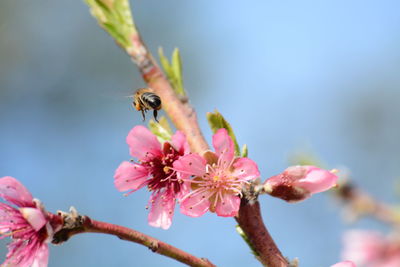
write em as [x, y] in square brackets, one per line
[320, 77]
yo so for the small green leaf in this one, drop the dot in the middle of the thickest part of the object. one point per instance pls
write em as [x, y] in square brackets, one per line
[245, 151]
[173, 70]
[217, 121]
[165, 63]
[162, 130]
[116, 18]
[177, 69]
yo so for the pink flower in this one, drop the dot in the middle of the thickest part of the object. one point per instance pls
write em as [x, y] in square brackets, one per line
[29, 225]
[218, 180]
[371, 249]
[154, 170]
[344, 264]
[297, 183]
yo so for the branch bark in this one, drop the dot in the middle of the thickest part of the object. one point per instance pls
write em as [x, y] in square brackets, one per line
[88, 225]
[251, 222]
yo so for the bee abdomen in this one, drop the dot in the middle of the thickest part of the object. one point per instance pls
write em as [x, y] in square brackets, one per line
[152, 100]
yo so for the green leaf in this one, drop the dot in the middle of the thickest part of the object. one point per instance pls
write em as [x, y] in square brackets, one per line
[116, 18]
[245, 151]
[162, 130]
[173, 70]
[177, 69]
[217, 121]
[165, 63]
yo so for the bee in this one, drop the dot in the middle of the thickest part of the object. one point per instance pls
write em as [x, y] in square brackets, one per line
[144, 99]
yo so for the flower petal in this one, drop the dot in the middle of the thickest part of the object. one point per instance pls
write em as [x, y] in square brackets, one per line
[223, 146]
[362, 246]
[179, 142]
[162, 209]
[42, 256]
[228, 206]
[191, 164]
[130, 176]
[142, 142]
[317, 180]
[246, 169]
[195, 205]
[13, 191]
[34, 217]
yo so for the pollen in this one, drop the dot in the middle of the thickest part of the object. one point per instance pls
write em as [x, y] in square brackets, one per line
[166, 169]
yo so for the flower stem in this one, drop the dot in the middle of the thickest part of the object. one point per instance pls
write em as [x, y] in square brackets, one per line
[89, 225]
[251, 222]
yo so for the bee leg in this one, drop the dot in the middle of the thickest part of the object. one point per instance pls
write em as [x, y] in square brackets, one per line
[144, 118]
[155, 115]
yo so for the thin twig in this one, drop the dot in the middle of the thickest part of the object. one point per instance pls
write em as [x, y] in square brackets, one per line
[360, 203]
[89, 225]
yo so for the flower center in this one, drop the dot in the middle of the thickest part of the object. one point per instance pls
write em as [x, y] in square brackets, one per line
[160, 167]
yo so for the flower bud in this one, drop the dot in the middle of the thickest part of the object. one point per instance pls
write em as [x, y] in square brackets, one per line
[297, 183]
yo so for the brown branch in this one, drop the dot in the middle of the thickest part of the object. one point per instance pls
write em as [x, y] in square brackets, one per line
[251, 222]
[87, 225]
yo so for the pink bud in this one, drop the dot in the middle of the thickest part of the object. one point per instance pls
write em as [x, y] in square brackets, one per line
[297, 183]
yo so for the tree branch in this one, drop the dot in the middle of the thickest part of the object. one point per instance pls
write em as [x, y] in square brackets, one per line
[251, 222]
[87, 225]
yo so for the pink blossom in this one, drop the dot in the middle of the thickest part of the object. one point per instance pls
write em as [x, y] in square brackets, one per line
[154, 170]
[219, 178]
[29, 225]
[371, 249]
[297, 183]
[344, 264]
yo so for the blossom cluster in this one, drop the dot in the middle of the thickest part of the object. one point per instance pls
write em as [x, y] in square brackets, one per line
[211, 182]
[200, 183]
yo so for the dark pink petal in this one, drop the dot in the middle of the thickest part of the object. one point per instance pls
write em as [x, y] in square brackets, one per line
[34, 217]
[143, 143]
[161, 210]
[223, 146]
[13, 191]
[246, 169]
[42, 256]
[179, 142]
[228, 206]
[130, 176]
[195, 205]
[317, 180]
[191, 164]
[344, 264]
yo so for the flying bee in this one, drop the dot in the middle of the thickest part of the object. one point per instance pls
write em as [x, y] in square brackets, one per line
[144, 99]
